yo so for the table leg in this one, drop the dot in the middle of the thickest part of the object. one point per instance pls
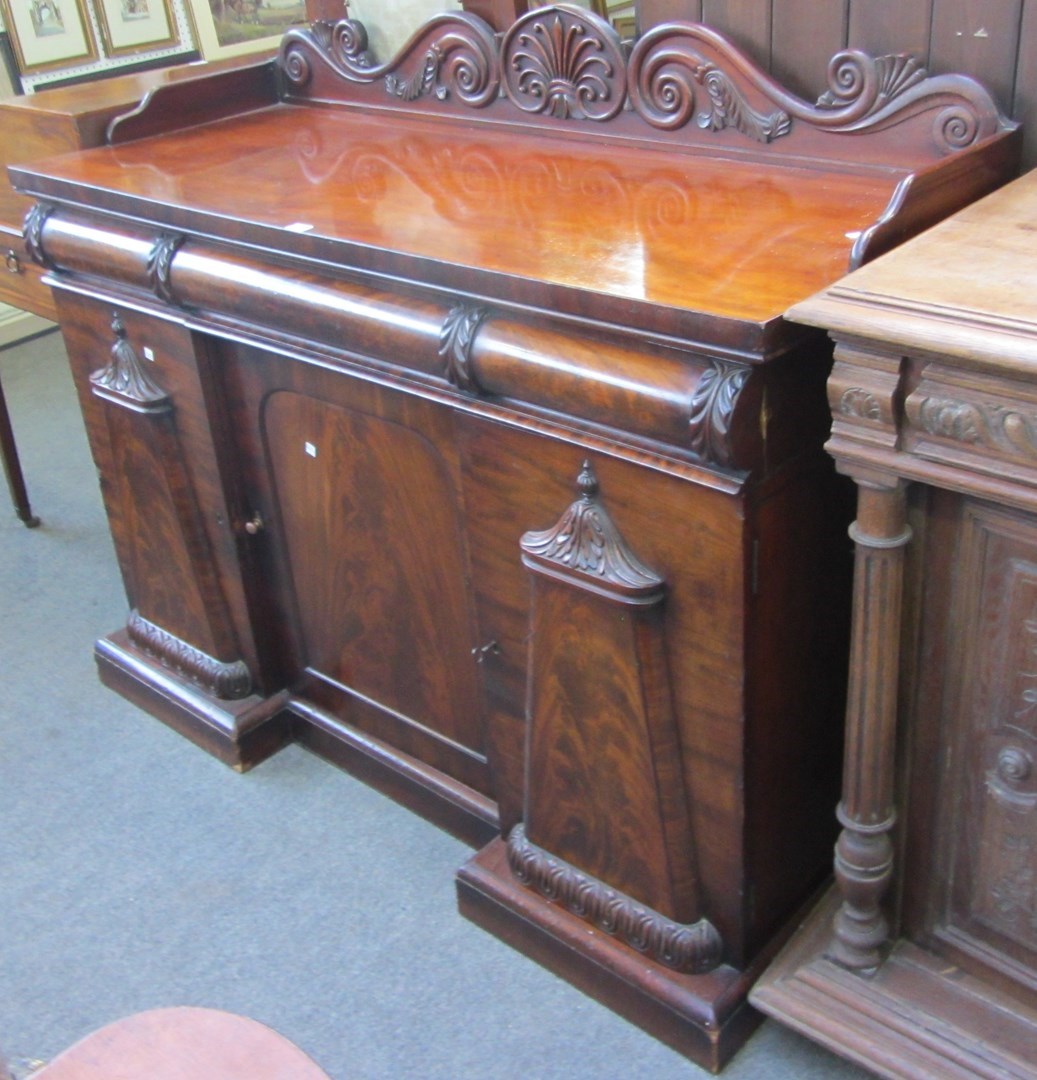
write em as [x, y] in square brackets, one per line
[13, 468]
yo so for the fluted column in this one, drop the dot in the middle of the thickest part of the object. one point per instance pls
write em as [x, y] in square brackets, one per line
[864, 851]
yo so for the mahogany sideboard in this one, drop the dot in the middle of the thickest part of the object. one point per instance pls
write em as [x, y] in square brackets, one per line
[922, 962]
[448, 423]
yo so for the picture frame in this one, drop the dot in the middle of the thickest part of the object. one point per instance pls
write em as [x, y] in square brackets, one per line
[133, 26]
[235, 27]
[48, 34]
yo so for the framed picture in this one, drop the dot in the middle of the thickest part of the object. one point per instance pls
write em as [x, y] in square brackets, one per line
[48, 34]
[131, 26]
[234, 27]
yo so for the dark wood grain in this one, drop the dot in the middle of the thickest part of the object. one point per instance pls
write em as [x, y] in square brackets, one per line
[465, 426]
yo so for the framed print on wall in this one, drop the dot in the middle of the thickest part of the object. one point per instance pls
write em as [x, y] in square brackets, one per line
[130, 26]
[233, 27]
[48, 34]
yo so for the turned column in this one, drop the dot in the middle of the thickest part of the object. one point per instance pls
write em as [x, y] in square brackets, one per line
[864, 851]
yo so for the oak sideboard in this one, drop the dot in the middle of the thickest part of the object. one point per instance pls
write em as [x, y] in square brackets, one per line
[922, 962]
[449, 425]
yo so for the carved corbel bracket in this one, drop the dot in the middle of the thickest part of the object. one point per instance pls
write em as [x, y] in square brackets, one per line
[865, 394]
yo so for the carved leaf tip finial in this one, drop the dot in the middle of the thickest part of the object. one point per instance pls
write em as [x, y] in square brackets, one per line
[587, 481]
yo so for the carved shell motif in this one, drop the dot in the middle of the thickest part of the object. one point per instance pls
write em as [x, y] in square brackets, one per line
[562, 63]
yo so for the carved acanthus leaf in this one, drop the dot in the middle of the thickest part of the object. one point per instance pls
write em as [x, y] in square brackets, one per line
[455, 344]
[32, 230]
[688, 947]
[987, 424]
[230, 682]
[586, 542]
[160, 262]
[124, 379]
[712, 407]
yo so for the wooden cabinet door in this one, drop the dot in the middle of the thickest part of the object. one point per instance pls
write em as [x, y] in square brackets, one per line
[358, 489]
[979, 902]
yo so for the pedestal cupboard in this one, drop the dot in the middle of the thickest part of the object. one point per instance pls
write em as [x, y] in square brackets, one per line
[448, 424]
[923, 960]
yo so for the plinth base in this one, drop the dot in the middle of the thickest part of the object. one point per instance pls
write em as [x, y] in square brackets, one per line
[918, 1016]
[705, 1017]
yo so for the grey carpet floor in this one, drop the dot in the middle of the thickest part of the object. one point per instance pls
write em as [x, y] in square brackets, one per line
[137, 872]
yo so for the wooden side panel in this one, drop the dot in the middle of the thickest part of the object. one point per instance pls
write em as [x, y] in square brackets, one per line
[984, 897]
[891, 26]
[1024, 102]
[806, 35]
[746, 22]
[980, 37]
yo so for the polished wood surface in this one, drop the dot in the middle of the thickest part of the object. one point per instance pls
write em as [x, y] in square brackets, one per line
[934, 416]
[611, 224]
[449, 424]
[183, 1043]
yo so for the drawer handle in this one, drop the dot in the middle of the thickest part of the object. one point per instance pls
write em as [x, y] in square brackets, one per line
[14, 264]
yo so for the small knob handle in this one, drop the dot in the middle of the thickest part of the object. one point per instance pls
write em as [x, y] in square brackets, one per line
[480, 652]
[256, 525]
[14, 264]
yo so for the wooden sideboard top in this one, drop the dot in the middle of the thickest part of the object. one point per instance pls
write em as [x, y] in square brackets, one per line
[692, 232]
[965, 288]
[672, 189]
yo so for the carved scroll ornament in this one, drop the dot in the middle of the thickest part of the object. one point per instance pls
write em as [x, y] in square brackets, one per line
[568, 64]
[985, 424]
[32, 229]
[455, 344]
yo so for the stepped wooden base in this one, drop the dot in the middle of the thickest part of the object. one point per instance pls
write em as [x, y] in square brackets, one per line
[918, 1016]
[244, 733]
[705, 1017]
[240, 733]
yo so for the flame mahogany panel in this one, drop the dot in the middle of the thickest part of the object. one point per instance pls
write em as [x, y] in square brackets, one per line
[450, 400]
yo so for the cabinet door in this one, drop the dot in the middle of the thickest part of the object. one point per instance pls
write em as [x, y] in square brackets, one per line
[980, 900]
[358, 489]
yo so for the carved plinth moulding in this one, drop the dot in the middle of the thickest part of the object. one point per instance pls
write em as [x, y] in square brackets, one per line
[692, 948]
[229, 681]
[567, 64]
[125, 381]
